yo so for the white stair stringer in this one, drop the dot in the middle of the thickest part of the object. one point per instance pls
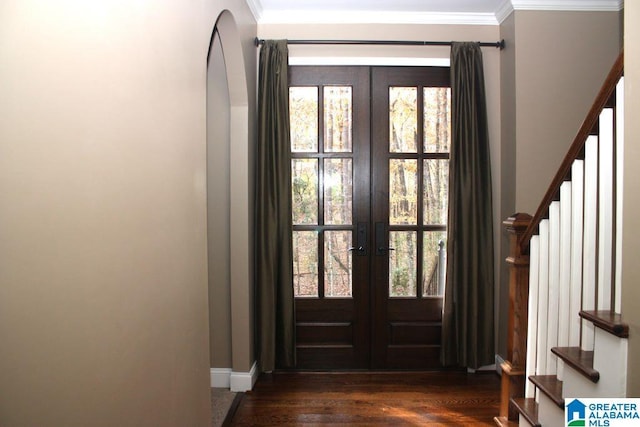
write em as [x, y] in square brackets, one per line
[610, 360]
[549, 414]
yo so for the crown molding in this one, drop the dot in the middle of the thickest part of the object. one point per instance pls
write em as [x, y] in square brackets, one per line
[504, 10]
[569, 5]
[431, 18]
[377, 17]
[256, 9]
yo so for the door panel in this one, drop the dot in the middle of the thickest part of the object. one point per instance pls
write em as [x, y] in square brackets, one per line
[369, 185]
[410, 131]
[330, 186]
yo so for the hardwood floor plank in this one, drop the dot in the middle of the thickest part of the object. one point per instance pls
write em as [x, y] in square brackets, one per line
[360, 399]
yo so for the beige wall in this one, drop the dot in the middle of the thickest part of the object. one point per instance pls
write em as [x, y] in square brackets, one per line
[631, 221]
[103, 272]
[399, 54]
[561, 60]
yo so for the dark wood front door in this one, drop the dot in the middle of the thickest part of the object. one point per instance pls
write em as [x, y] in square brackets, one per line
[369, 185]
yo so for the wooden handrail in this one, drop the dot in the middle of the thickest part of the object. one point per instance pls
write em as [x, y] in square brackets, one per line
[576, 148]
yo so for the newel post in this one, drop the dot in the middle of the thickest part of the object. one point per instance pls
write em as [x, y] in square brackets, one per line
[513, 369]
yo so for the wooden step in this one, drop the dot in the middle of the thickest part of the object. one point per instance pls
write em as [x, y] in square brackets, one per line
[528, 408]
[607, 320]
[581, 361]
[551, 386]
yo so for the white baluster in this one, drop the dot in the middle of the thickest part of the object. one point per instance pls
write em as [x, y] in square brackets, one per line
[532, 340]
[619, 186]
[554, 284]
[590, 218]
[605, 214]
[543, 298]
[565, 270]
[577, 212]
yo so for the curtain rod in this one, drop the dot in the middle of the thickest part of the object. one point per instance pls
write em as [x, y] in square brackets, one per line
[499, 44]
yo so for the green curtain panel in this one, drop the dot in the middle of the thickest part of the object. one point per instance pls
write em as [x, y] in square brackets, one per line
[274, 269]
[468, 322]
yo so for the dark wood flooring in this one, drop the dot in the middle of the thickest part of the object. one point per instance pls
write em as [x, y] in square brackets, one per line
[365, 399]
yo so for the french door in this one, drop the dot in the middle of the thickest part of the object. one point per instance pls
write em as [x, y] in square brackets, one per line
[370, 149]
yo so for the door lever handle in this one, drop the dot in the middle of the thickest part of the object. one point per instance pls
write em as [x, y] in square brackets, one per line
[360, 244]
[381, 249]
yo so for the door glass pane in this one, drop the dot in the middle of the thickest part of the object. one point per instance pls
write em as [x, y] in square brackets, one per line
[434, 265]
[338, 191]
[403, 191]
[303, 116]
[337, 264]
[305, 263]
[337, 119]
[403, 119]
[437, 119]
[304, 191]
[402, 264]
[436, 191]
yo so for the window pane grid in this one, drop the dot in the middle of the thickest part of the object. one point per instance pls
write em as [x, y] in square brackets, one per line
[337, 264]
[322, 190]
[338, 190]
[305, 263]
[304, 191]
[402, 264]
[418, 195]
[304, 123]
[337, 122]
[403, 119]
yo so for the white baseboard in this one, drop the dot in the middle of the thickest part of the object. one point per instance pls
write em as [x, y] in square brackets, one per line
[220, 377]
[481, 369]
[244, 381]
[499, 362]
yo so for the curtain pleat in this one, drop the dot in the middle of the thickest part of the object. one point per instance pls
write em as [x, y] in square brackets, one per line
[273, 242]
[468, 315]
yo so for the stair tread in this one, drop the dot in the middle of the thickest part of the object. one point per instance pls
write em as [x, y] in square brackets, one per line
[528, 408]
[607, 320]
[551, 386]
[581, 361]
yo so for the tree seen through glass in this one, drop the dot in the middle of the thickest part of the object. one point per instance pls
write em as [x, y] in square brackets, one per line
[406, 202]
[322, 189]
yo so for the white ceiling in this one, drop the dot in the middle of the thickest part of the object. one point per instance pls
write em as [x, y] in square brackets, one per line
[483, 12]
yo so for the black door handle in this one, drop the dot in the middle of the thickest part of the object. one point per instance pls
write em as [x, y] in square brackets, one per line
[360, 248]
[382, 241]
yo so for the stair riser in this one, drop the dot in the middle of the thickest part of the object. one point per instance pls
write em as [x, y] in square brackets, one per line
[610, 359]
[548, 412]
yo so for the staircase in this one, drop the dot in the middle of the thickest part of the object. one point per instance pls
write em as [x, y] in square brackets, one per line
[566, 336]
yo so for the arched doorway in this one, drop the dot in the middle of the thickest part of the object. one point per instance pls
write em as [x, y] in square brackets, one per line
[229, 210]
